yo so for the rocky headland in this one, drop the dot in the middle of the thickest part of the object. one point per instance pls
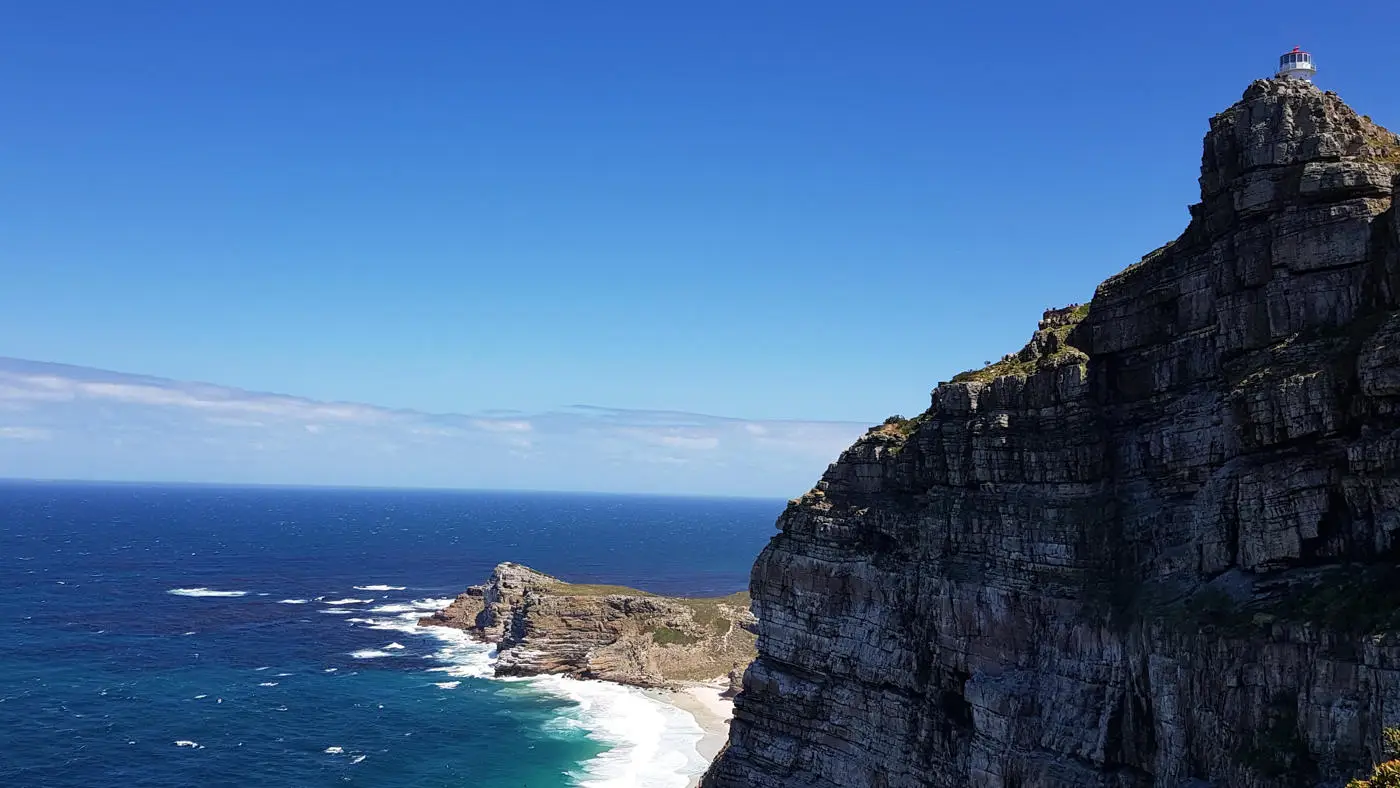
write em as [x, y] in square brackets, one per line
[1155, 547]
[543, 625]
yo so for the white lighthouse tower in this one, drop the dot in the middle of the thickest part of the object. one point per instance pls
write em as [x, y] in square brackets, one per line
[1296, 65]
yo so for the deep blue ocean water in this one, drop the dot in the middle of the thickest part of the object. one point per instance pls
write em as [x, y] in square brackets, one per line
[178, 636]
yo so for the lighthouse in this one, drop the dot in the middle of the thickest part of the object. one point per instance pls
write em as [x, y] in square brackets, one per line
[1296, 65]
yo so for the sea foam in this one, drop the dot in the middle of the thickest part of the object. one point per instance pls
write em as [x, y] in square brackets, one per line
[347, 601]
[203, 592]
[370, 653]
[650, 742]
[380, 588]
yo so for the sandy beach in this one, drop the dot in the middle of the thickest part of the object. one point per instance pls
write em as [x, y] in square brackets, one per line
[703, 702]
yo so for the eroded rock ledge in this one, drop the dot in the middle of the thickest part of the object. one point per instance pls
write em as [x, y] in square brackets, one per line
[544, 625]
[1156, 547]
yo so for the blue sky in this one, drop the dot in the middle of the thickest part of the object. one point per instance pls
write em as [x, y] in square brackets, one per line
[766, 212]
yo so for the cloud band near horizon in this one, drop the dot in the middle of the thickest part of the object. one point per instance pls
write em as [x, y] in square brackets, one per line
[60, 421]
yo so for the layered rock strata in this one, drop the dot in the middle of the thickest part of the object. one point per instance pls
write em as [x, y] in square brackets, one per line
[544, 625]
[1156, 547]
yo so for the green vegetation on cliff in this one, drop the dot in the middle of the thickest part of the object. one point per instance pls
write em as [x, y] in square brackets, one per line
[1386, 774]
[1048, 348]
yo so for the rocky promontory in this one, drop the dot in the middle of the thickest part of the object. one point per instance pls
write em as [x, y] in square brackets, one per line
[542, 624]
[1158, 547]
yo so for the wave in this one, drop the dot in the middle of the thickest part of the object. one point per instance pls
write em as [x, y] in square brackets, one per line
[203, 592]
[337, 612]
[394, 646]
[416, 606]
[463, 657]
[334, 750]
[347, 601]
[650, 742]
[380, 588]
[291, 601]
[370, 653]
[406, 607]
[187, 743]
[268, 684]
[358, 758]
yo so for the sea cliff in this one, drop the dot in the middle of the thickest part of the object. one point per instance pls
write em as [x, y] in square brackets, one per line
[1155, 547]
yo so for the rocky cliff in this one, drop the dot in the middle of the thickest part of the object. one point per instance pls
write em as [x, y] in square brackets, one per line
[545, 625]
[1156, 547]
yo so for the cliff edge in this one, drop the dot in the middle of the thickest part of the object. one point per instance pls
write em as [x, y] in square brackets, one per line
[1156, 547]
[542, 624]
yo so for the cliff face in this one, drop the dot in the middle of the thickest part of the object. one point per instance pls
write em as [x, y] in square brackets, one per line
[545, 625]
[1154, 548]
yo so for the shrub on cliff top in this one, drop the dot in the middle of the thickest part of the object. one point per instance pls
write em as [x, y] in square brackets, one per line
[666, 636]
[1387, 774]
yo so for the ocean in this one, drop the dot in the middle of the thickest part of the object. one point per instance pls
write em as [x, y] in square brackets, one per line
[212, 636]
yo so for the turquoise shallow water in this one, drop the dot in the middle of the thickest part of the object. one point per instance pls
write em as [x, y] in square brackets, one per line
[171, 636]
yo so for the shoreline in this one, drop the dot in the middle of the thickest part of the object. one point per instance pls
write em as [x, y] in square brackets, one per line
[702, 700]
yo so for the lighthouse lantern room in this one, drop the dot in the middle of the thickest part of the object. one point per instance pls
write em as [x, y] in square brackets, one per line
[1296, 65]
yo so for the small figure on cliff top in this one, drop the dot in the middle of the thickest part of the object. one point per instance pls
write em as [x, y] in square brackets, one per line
[1296, 65]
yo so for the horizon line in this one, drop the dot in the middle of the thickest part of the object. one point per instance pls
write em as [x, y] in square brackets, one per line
[13, 480]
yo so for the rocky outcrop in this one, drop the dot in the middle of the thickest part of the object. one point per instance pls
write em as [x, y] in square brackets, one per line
[1157, 547]
[544, 625]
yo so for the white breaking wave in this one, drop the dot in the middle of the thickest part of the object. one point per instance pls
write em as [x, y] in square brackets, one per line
[395, 646]
[464, 657]
[337, 612]
[370, 653]
[203, 592]
[406, 607]
[652, 744]
[291, 601]
[416, 606]
[347, 601]
[380, 588]
[187, 743]
[358, 758]
[268, 684]
[334, 750]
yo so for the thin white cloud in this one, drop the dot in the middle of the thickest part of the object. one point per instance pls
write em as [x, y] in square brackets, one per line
[25, 434]
[55, 388]
[121, 426]
[503, 425]
[702, 443]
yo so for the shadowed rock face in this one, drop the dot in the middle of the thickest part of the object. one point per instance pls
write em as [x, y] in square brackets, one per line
[1154, 548]
[544, 625]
